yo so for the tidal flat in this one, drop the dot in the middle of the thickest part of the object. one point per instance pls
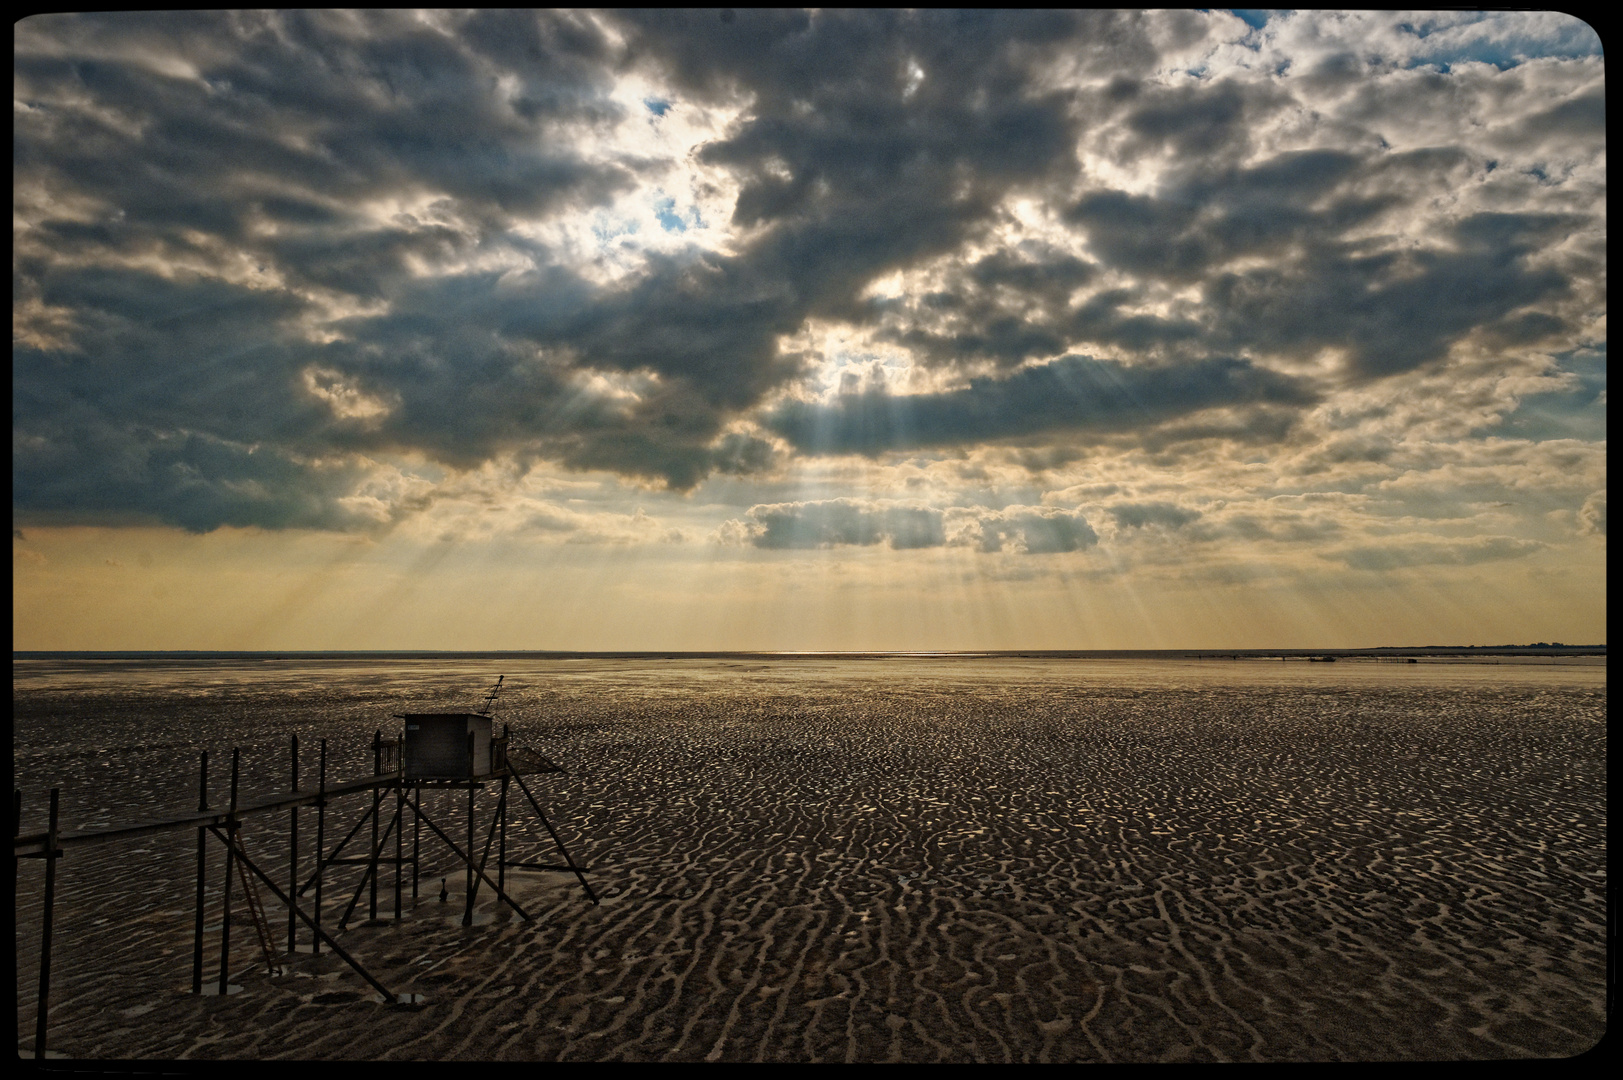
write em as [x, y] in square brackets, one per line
[884, 859]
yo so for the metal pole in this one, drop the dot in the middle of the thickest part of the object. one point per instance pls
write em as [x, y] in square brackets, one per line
[293, 851]
[416, 840]
[377, 801]
[45, 930]
[202, 851]
[321, 839]
[230, 865]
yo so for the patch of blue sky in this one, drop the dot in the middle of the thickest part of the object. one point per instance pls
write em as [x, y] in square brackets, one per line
[1576, 412]
[665, 210]
[1252, 17]
[671, 221]
[657, 106]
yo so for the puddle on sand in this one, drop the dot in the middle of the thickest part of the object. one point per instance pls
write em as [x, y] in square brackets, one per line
[212, 989]
[335, 997]
[480, 918]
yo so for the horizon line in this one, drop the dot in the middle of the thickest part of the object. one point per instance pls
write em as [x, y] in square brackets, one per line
[1276, 650]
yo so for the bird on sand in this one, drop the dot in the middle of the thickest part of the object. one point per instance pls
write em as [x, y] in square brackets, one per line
[444, 892]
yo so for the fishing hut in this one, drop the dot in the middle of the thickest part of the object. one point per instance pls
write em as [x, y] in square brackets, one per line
[457, 751]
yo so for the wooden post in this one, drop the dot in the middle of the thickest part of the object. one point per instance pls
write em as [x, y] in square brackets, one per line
[230, 865]
[293, 852]
[45, 929]
[399, 823]
[202, 852]
[321, 840]
[377, 803]
[467, 912]
[501, 854]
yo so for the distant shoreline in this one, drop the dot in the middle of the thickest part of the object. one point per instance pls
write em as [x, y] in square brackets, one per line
[1380, 652]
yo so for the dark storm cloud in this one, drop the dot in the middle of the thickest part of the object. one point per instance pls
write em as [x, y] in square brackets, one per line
[189, 139]
[92, 474]
[1298, 214]
[1390, 311]
[258, 243]
[1074, 394]
[1197, 122]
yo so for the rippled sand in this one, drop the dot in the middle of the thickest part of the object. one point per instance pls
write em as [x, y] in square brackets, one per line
[914, 860]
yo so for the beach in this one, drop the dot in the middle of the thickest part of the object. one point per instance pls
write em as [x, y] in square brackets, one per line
[886, 859]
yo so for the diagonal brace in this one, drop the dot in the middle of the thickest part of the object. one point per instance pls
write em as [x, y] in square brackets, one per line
[501, 807]
[465, 858]
[371, 868]
[311, 923]
[320, 862]
[555, 840]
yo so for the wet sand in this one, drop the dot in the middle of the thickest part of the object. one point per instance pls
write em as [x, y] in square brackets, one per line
[876, 860]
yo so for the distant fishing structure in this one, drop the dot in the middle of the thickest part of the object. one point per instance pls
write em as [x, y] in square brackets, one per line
[434, 751]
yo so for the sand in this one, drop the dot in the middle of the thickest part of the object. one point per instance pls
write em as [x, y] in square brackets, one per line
[906, 860]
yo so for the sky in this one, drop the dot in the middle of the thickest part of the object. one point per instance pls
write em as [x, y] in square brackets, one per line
[832, 330]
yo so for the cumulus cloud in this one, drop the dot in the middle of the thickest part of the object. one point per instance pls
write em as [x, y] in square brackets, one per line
[1028, 530]
[1592, 517]
[836, 523]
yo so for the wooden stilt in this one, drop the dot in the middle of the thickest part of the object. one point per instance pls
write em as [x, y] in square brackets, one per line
[293, 851]
[202, 853]
[44, 1004]
[321, 838]
[230, 865]
[377, 802]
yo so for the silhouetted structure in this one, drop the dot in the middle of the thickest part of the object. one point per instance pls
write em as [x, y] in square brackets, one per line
[433, 750]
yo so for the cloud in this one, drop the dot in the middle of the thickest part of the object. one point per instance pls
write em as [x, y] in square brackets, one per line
[93, 474]
[1031, 530]
[1138, 515]
[1028, 530]
[1437, 553]
[1592, 516]
[1075, 394]
[837, 523]
[260, 256]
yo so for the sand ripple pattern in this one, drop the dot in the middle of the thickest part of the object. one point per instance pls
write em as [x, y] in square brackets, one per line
[867, 861]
